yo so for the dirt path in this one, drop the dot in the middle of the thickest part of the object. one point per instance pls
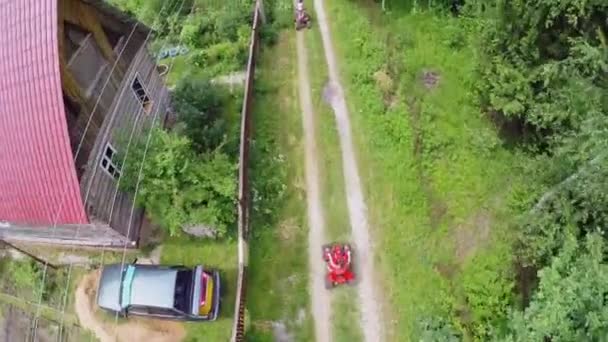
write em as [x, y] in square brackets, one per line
[369, 305]
[316, 223]
[147, 330]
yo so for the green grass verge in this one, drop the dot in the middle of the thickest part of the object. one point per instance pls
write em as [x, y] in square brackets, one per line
[278, 282]
[435, 172]
[345, 310]
[221, 255]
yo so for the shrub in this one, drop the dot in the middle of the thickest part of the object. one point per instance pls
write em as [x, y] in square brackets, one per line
[488, 286]
[199, 105]
[179, 187]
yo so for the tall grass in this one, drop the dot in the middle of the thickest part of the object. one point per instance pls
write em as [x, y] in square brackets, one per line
[344, 303]
[278, 283]
[433, 166]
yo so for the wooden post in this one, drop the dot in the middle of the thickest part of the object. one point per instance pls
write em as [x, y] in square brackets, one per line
[260, 8]
[68, 234]
[22, 251]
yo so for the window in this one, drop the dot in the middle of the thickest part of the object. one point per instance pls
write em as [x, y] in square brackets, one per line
[183, 287]
[141, 94]
[108, 163]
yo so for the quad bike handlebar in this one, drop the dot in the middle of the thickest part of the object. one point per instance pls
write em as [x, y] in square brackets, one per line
[338, 265]
[338, 259]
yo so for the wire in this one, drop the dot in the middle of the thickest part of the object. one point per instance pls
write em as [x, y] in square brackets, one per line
[151, 84]
[140, 177]
[78, 150]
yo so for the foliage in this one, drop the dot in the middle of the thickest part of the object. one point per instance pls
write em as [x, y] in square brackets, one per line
[431, 162]
[578, 209]
[488, 288]
[278, 265]
[177, 186]
[23, 278]
[569, 304]
[437, 329]
[540, 56]
[199, 105]
[161, 15]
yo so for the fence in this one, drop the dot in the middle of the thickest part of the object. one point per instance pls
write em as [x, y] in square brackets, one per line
[244, 200]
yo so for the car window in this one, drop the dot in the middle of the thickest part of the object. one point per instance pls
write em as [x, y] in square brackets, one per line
[183, 289]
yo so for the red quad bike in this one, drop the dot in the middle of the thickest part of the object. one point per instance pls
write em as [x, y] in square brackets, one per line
[338, 258]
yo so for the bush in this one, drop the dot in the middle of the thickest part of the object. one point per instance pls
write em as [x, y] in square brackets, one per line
[199, 105]
[488, 287]
[436, 329]
[179, 187]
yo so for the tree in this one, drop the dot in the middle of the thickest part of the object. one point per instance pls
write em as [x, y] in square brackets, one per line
[488, 287]
[436, 329]
[199, 104]
[578, 209]
[540, 56]
[571, 303]
[179, 187]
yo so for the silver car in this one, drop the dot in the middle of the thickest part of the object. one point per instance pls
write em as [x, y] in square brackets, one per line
[166, 292]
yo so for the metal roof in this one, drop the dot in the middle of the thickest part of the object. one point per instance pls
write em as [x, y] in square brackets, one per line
[38, 182]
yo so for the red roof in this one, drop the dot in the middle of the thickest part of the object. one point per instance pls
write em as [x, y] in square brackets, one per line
[38, 182]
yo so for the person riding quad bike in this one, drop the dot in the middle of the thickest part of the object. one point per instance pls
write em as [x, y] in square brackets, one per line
[338, 258]
[302, 18]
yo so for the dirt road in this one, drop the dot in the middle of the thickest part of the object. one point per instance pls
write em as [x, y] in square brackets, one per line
[316, 234]
[368, 294]
[132, 330]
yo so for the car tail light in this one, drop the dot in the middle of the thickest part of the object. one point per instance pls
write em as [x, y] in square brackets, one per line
[206, 299]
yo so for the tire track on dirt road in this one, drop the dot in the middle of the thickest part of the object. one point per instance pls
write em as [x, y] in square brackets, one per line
[316, 223]
[334, 93]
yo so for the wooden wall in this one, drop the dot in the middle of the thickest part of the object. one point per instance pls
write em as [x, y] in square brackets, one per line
[103, 201]
[94, 103]
[108, 107]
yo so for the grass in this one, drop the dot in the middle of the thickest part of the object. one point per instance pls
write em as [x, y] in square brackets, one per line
[221, 255]
[278, 282]
[328, 144]
[333, 194]
[431, 163]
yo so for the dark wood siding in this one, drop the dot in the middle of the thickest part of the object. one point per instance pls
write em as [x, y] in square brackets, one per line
[103, 201]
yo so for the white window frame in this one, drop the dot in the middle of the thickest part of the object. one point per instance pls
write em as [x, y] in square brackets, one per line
[109, 162]
[145, 106]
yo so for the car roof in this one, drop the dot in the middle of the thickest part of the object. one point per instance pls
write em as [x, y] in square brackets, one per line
[149, 286]
[153, 287]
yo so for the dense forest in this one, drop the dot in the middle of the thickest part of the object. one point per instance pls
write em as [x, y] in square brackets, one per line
[543, 74]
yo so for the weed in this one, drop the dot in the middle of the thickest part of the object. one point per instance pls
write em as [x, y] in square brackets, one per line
[278, 283]
[430, 161]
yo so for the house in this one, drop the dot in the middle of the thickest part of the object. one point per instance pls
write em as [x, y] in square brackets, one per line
[75, 76]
